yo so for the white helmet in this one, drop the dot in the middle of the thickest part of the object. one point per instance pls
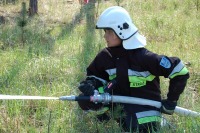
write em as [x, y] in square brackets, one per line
[119, 20]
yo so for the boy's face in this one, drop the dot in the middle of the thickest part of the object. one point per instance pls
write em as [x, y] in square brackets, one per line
[111, 38]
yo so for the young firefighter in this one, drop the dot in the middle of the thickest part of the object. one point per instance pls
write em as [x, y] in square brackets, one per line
[136, 71]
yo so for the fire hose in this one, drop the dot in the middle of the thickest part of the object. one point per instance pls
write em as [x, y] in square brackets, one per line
[106, 98]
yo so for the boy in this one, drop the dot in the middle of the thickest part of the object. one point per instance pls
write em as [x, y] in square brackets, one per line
[136, 71]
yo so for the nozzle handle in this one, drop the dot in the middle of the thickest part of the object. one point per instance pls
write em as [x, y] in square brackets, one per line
[75, 98]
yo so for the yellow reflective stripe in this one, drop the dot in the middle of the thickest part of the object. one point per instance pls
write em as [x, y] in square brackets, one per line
[182, 72]
[150, 77]
[101, 89]
[149, 119]
[139, 81]
[138, 84]
[112, 76]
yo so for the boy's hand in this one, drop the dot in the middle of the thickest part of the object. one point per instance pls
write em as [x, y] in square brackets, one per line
[168, 106]
[87, 87]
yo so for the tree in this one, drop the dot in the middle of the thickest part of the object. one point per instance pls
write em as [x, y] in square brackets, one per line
[22, 21]
[33, 7]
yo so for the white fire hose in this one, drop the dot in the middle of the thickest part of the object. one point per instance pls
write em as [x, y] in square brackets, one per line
[140, 101]
[107, 98]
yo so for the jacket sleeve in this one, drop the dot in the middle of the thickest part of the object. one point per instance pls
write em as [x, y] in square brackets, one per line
[169, 67]
[96, 69]
[176, 86]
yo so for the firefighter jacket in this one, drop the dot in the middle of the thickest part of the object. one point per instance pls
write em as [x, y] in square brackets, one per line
[137, 72]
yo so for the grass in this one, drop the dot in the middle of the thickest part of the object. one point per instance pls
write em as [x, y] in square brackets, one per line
[60, 43]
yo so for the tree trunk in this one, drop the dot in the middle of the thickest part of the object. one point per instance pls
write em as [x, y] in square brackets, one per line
[2, 20]
[33, 7]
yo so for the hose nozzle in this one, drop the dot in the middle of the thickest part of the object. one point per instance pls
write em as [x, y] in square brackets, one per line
[68, 98]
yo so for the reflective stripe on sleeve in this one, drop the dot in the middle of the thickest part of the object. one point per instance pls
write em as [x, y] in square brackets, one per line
[112, 77]
[101, 90]
[111, 73]
[180, 69]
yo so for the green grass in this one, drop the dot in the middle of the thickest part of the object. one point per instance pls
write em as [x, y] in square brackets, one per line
[60, 43]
